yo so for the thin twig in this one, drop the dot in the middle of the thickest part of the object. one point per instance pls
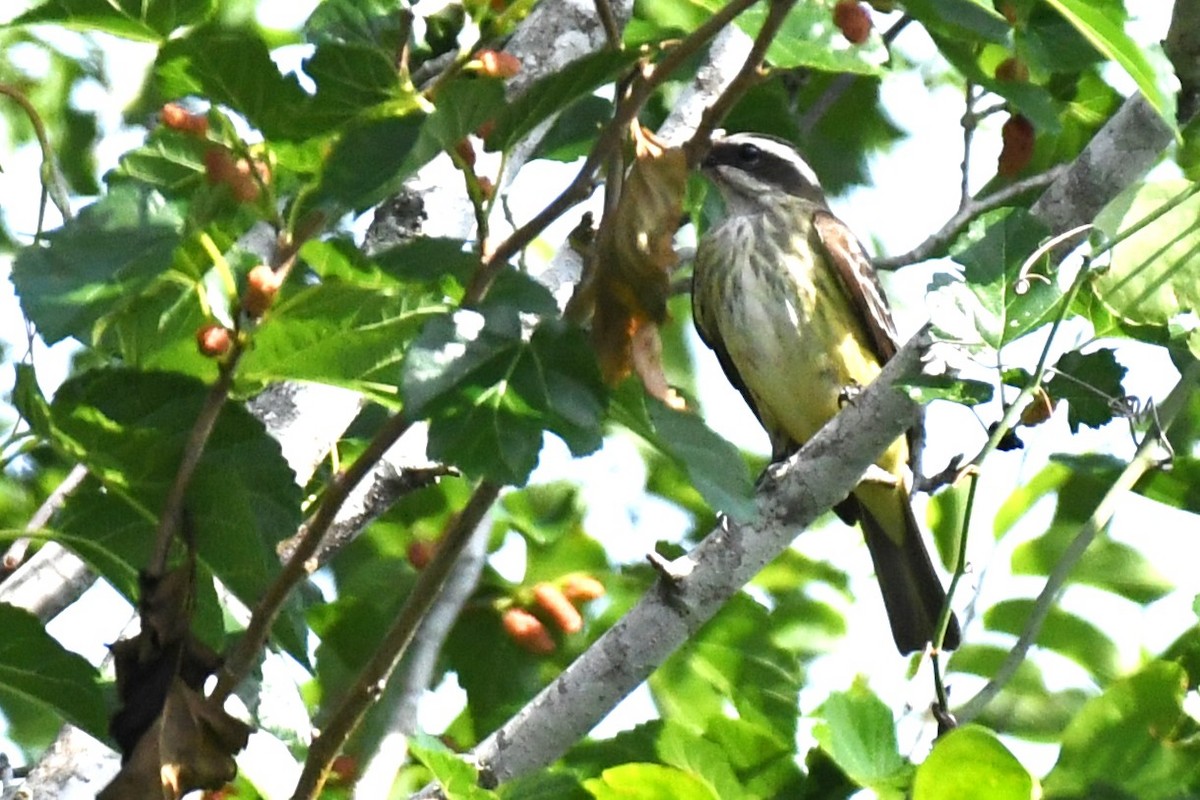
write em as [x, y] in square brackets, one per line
[969, 124]
[1143, 461]
[842, 83]
[608, 21]
[746, 77]
[53, 184]
[937, 242]
[41, 518]
[243, 654]
[374, 676]
[610, 137]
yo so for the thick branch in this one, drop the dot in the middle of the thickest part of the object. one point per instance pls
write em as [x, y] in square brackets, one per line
[820, 475]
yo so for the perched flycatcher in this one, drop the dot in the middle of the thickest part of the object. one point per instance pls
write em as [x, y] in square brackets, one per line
[788, 300]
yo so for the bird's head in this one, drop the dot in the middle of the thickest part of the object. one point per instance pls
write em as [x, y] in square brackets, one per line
[753, 169]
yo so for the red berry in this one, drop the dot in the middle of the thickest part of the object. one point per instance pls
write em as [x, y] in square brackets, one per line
[1018, 137]
[853, 20]
[214, 340]
[1012, 70]
[465, 151]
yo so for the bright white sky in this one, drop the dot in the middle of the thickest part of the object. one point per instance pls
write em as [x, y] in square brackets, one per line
[628, 521]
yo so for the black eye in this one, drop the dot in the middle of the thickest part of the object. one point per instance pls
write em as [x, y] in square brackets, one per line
[749, 153]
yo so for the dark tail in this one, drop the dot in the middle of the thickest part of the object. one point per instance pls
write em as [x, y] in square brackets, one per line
[912, 590]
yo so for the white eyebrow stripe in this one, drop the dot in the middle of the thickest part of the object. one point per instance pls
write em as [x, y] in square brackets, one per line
[780, 150]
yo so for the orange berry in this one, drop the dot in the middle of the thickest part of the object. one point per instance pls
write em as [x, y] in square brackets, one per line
[556, 605]
[1018, 137]
[581, 588]
[496, 64]
[262, 284]
[214, 340]
[1012, 70]
[178, 118]
[344, 768]
[853, 20]
[528, 632]
[218, 165]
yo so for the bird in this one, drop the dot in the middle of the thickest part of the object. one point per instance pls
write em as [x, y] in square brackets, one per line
[789, 301]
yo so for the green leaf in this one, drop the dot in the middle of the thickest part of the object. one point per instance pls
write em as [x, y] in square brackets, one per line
[1025, 707]
[233, 67]
[35, 667]
[340, 334]
[490, 393]
[964, 391]
[1062, 632]
[366, 22]
[547, 96]
[572, 134]
[1103, 24]
[647, 782]
[1154, 275]
[140, 20]
[1178, 487]
[971, 762]
[28, 398]
[350, 79]
[458, 779]
[714, 465]
[693, 754]
[1127, 739]
[732, 660]
[170, 162]
[987, 309]
[969, 20]
[1090, 384]
[102, 259]
[130, 428]
[1107, 564]
[857, 731]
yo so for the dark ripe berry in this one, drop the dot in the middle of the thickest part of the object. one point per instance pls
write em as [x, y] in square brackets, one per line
[1012, 70]
[853, 20]
[1018, 137]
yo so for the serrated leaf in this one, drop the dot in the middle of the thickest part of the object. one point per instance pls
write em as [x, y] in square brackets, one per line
[140, 20]
[647, 782]
[714, 466]
[1154, 275]
[34, 666]
[457, 779]
[169, 161]
[350, 79]
[1106, 564]
[857, 731]
[733, 659]
[1126, 739]
[969, 20]
[130, 429]
[1062, 632]
[1089, 383]
[965, 391]
[233, 67]
[989, 305]
[971, 762]
[97, 262]
[1103, 24]
[549, 95]
[340, 334]
[370, 22]
[490, 393]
